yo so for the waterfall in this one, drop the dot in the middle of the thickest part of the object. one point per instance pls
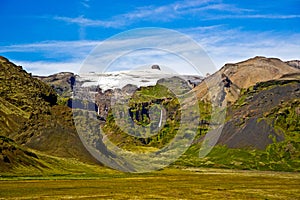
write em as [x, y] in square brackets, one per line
[160, 120]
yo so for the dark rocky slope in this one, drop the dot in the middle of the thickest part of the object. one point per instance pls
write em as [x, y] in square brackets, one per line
[249, 124]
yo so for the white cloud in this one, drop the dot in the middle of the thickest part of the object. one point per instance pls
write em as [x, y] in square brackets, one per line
[44, 68]
[213, 7]
[66, 50]
[82, 21]
[203, 9]
[147, 46]
[166, 12]
[221, 44]
[252, 16]
[53, 56]
[224, 46]
[85, 3]
[49, 45]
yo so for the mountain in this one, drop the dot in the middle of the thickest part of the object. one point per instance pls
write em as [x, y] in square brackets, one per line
[32, 118]
[61, 82]
[262, 124]
[261, 119]
[261, 129]
[245, 74]
[258, 69]
[18, 160]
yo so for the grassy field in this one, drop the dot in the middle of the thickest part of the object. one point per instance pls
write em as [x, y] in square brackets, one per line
[191, 183]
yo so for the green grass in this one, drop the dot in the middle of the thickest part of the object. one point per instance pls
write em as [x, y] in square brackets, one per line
[243, 159]
[193, 183]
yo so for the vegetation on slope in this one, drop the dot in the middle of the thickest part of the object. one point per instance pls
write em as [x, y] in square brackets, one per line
[250, 139]
[31, 117]
[276, 147]
[261, 129]
[17, 160]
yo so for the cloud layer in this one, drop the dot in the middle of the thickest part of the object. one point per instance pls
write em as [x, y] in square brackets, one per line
[220, 44]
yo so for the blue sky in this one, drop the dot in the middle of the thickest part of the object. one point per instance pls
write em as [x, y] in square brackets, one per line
[51, 36]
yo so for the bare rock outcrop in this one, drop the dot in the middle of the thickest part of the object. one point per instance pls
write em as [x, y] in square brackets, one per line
[294, 63]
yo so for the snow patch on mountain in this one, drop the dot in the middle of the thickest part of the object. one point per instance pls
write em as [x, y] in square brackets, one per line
[145, 77]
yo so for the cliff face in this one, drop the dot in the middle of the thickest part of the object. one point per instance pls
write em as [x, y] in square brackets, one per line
[251, 89]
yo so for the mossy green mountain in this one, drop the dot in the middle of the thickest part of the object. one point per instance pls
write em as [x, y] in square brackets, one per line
[32, 118]
[261, 131]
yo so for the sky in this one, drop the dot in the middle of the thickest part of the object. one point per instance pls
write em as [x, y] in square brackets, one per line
[47, 37]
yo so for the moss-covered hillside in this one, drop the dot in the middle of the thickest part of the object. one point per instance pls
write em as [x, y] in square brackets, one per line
[261, 131]
[31, 117]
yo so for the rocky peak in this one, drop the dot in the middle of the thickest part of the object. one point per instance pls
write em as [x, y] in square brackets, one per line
[247, 73]
[294, 63]
[155, 67]
[236, 76]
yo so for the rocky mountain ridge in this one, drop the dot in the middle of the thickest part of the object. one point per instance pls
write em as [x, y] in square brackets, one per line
[262, 97]
[245, 74]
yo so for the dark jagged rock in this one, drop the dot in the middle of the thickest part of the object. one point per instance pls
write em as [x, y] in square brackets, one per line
[155, 67]
[226, 81]
[84, 105]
